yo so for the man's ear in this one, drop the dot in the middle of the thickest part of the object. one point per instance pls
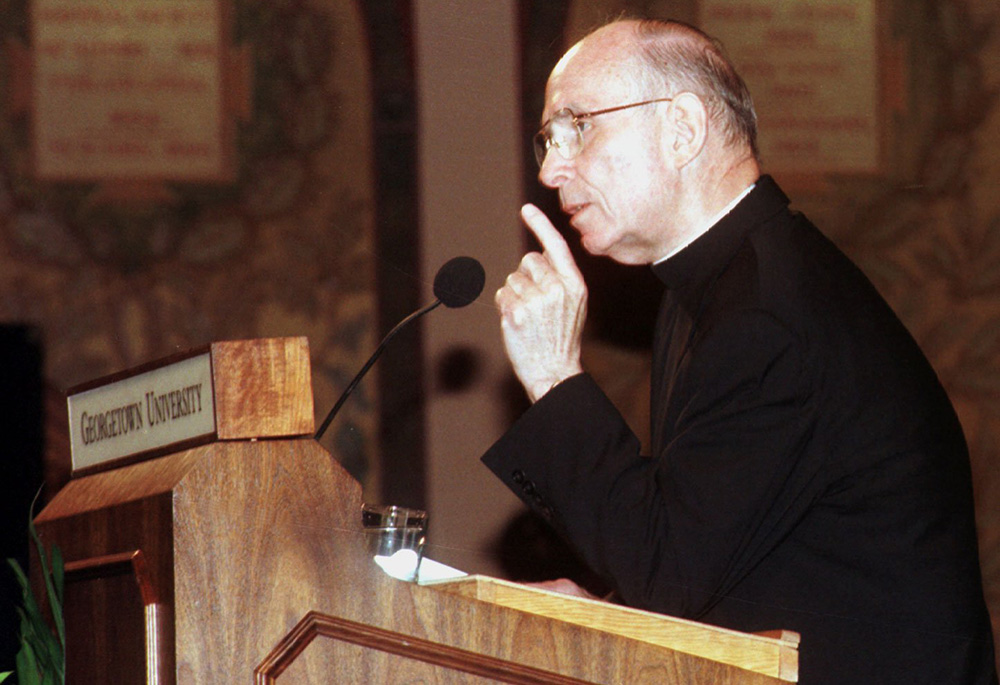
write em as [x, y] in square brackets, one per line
[689, 122]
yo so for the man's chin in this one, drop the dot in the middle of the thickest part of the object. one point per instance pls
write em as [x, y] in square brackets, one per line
[613, 251]
[593, 244]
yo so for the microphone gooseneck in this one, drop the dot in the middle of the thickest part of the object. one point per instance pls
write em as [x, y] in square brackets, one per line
[458, 283]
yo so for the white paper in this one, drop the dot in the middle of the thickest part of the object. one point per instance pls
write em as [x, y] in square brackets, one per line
[400, 565]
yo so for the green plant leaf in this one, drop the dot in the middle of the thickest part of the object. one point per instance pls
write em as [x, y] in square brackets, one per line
[42, 657]
[58, 573]
[27, 666]
[27, 598]
[54, 586]
[40, 645]
[48, 576]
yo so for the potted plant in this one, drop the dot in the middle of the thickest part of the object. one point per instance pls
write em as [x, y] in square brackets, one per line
[41, 659]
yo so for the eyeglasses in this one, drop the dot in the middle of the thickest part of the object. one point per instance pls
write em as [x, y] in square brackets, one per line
[565, 133]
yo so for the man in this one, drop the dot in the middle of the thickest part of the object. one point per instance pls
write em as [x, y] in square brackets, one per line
[807, 471]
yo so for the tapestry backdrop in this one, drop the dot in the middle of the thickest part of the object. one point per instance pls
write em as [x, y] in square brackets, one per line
[174, 173]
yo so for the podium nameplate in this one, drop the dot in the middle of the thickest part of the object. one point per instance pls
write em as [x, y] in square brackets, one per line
[141, 413]
[228, 390]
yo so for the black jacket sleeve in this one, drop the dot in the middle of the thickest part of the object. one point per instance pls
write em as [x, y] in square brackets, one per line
[676, 530]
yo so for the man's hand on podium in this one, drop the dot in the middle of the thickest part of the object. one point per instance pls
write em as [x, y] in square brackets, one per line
[564, 586]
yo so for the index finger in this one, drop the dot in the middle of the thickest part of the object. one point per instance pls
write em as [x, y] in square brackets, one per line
[552, 242]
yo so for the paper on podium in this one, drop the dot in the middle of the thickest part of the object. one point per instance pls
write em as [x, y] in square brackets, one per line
[400, 565]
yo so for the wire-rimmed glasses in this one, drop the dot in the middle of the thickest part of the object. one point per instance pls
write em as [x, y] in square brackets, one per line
[564, 132]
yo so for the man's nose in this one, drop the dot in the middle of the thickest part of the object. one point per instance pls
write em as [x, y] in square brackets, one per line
[555, 170]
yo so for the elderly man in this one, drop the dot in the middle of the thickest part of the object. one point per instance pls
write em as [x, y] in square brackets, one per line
[807, 471]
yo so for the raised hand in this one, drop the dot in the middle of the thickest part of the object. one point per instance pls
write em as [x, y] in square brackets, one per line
[543, 307]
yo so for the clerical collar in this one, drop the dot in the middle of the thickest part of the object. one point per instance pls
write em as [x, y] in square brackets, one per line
[714, 220]
[713, 248]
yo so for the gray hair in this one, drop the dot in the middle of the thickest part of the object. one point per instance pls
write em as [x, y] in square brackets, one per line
[687, 59]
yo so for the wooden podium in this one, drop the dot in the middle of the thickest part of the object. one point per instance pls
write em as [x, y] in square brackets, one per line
[242, 560]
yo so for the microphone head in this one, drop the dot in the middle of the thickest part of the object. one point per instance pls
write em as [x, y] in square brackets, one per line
[459, 281]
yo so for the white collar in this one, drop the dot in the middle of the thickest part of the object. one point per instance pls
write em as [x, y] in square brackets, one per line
[715, 219]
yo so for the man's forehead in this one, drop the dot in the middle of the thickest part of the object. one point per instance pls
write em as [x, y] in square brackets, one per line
[591, 72]
[586, 81]
[566, 61]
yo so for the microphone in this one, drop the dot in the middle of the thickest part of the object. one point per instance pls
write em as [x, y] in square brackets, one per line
[457, 283]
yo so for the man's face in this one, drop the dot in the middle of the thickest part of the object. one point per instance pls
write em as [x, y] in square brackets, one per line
[618, 189]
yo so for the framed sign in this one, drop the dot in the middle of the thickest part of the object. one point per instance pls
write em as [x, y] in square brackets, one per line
[129, 90]
[813, 71]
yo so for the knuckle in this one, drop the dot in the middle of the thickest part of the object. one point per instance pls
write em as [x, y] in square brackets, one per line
[532, 259]
[552, 288]
[535, 265]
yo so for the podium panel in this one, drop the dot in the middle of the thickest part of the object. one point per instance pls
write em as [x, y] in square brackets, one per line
[111, 596]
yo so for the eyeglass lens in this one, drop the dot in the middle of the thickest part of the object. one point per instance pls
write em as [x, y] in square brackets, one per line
[562, 133]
